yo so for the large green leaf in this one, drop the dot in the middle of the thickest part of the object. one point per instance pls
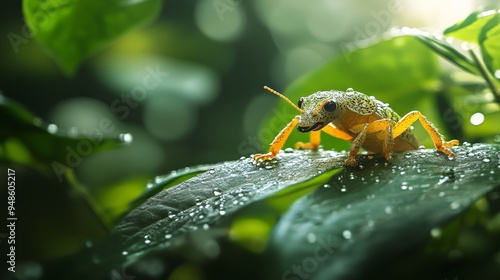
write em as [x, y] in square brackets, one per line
[373, 204]
[72, 30]
[373, 215]
[399, 71]
[166, 221]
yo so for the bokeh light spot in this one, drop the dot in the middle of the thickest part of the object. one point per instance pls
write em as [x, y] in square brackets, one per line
[220, 20]
[477, 119]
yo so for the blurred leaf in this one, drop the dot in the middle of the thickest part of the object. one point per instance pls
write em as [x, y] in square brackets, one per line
[469, 29]
[72, 30]
[27, 140]
[489, 42]
[331, 234]
[391, 70]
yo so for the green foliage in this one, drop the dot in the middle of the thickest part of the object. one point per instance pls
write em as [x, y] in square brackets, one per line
[72, 30]
[279, 213]
[27, 140]
[482, 29]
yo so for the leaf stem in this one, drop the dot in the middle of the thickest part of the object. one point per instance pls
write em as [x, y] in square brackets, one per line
[486, 76]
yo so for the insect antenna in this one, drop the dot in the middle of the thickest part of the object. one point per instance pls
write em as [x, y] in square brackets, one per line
[284, 98]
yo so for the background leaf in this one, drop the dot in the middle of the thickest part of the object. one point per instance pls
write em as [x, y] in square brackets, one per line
[489, 42]
[26, 139]
[72, 30]
[469, 29]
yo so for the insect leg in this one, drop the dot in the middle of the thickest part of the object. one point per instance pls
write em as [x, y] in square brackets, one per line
[278, 141]
[406, 121]
[332, 130]
[384, 128]
[356, 145]
[315, 139]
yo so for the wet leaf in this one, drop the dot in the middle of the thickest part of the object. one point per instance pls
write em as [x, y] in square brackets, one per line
[171, 179]
[166, 221]
[382, 212]
[72, 30]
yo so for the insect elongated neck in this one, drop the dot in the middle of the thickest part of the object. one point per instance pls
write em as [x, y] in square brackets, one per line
[284, 98]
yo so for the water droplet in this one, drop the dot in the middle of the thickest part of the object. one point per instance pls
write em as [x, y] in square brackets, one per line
[467, 144]
[168, 236]
[206, 226]
[477, 119]
[449, 172]
[222, 212]
[147, 241]
[211, 171]
[217, 192]
[327, 186]
[466, 46]
[388, 210]
[454, 205]
[441, 194]
[311, 237]
[52, 128]
[88, 244]
[347, 234]
[124, 253]
[436, 232]
[486, 160]
[126, 138]
[95, 259]
[288, 150]
[349, 90]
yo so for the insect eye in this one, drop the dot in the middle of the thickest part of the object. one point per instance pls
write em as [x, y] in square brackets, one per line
[300, 102]
[330, 106]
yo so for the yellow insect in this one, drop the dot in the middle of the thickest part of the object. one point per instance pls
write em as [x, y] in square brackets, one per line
[353, 116]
